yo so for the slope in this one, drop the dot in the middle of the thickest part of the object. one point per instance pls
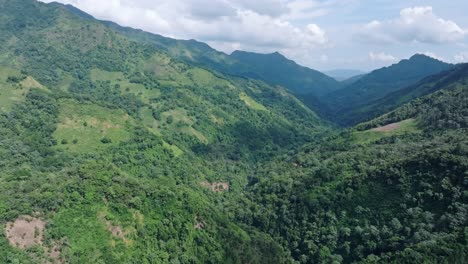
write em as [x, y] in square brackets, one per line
[387, 191]
[274, 68]
[380, 83]
[108, 144]
[446, 80]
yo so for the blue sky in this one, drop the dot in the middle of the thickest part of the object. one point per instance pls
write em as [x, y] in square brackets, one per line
[321, 34]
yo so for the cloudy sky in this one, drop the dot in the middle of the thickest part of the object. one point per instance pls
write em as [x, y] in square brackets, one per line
[322, 34]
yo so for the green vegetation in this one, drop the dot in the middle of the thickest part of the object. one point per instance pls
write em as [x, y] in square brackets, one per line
[251, 102]
[353, 103]
[119, 142]
[395, 129]
[90, 125]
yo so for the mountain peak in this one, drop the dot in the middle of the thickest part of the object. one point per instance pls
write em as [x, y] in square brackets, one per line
[275, 54]
[422, 57]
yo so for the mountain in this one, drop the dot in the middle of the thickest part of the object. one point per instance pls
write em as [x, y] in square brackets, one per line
[276, 69]
[114, 151]
[343, 74]
[349, 81]
[273, 68]
[442, 81]
[386, 191]
[381, 82]
[120, 146]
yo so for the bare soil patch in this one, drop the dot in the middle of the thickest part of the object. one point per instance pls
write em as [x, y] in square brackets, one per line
[216, 186]
[115, 230]
[199, 223]
[387, 128]
[25, 232]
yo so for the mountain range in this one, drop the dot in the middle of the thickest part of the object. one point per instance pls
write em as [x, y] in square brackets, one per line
[122, 146]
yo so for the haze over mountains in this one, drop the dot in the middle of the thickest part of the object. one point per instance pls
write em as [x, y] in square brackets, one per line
[122, 146]
[344, 74]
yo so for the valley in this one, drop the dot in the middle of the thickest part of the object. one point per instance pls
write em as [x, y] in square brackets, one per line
[122, 146]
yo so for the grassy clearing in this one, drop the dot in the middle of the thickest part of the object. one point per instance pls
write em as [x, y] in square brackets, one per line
[82, 127]
[10, 92]
[395, 129]
[153, 125]
[126, 87]
[252, 103]
[176, 150]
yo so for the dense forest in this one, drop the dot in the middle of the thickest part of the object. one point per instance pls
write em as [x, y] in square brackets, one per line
[115, 149]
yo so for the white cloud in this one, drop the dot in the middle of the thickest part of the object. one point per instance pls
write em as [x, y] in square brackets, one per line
[416, 24]
[381, 57]
[273, 8]
[260, 25]
[433, 55]
[324, 58]
[461, 57]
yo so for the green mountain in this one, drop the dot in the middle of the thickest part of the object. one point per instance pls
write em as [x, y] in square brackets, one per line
[273, 68]
[445, 80]
[278, 70]
[114, 151]
[120, 146]
[380, 83]
[388, 191]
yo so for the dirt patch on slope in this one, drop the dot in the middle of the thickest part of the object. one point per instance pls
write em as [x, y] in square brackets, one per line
[387, 128]
[216, 186]
[390, 127]
[25, 232]
[115, 230]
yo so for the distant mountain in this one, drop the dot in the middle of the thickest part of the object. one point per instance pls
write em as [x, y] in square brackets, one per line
[395, 182]
[380, 83]
[458, 76]
[343, 74]
[276, 69]
[352, 80]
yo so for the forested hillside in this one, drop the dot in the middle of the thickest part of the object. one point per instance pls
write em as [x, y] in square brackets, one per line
[389, 191]
[117, 148]
[113, 151]
[274, 69]
[348, 103]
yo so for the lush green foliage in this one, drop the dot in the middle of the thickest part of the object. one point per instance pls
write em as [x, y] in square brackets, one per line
[120, 146]
[392, 198]
[351, 104]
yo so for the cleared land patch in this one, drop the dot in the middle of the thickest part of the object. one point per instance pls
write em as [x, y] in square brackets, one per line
[84, 127]
[394, 129]
[25, 232]
[216, 186]
[14, 87]
[251, 103]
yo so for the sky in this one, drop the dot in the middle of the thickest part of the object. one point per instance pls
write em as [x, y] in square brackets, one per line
[321, 34]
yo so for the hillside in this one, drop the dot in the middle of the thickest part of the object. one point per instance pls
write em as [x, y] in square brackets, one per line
[114, 151]
[388, 191]
[380, 83]
[121, 146]
[446, 80]
[273, 68]
[276, 69]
